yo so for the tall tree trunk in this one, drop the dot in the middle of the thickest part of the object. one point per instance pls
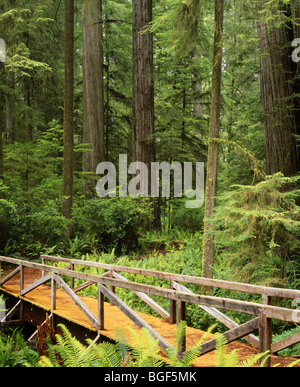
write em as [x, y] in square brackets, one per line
[143, 84]
[213, 147]
[93, 95]
[68, 110]
[277, 94]
[143, 143]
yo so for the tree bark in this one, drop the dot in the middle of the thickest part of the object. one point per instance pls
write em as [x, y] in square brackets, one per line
[68, 110]
[213, 147]
[93, 95]
[277, 94]
[143, 146]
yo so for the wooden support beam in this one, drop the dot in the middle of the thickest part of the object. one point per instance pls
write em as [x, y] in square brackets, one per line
[77, 301]
[253, 340]
[154, 305]
[9, 276]
[285, 343]
[265, 334]
[232, 335]
[134, 317]
[12, 312]
[36, 284]
[89, 283]
[12, 324]
[83, 286]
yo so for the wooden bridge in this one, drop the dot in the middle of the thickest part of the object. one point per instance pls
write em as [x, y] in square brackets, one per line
[28, 297]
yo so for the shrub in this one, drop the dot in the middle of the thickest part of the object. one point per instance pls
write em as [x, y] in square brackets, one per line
[116, 222]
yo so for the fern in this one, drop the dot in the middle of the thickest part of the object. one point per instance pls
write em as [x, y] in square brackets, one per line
[253, 360]
[145, 349]
[145, 352]
[173, 359]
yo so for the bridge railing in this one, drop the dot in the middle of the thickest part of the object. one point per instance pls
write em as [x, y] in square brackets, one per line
[178, 294]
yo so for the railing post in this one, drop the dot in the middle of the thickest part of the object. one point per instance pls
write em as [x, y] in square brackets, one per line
[43, 263]
[21, 278]
[172, 306]
[265, 333]
[72, 278]
[113, 288]
[100, 308]
[53, 293]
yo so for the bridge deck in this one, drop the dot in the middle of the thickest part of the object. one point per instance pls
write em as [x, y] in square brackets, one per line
[67, 310]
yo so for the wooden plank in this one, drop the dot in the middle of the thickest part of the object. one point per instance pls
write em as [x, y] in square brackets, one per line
[83, 286]
[36, 284]
[285, 343]
[12, 312]
[12, 324]
[9, 276]
[77, 301]
[88, 283]
[246, 288]
[134, 317]
[232, 335]
[154, 305]
[253, 340]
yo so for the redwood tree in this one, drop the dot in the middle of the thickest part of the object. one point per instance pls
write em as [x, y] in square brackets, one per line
[68, 110]
[213, 147]
[143, 84]
[93, 96]
[279, 87]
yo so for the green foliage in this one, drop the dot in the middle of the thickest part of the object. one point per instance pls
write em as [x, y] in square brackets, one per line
[115, 222]
[257, 229]
[291, 351]
[14, 351]
[143, 352]
[190, 219]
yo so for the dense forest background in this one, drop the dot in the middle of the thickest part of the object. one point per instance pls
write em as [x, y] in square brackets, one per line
[73, 93]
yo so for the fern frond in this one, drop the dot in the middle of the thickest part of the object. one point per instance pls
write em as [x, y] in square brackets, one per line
[104, 355]
[71, 351]
[251, 362]
[145, 349]
[293, 364]
[122, 344]
[45, 362]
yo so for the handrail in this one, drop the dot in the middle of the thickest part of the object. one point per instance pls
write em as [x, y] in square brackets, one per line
[280, 313]
[205, 282]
